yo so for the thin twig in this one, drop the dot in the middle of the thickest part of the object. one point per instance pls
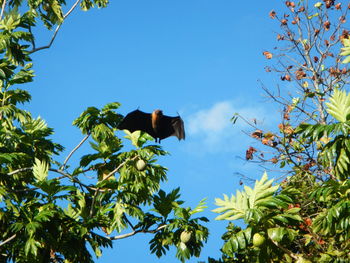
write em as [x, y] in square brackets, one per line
[66, 175]
[7, 240]
[71, 153]
[2, 9]
[136, 232]
[71, 9]
[20, 170]
[128, 221]
[71, 177]
[116, 169]
[93, 202]
[284, 249]
[97, 190]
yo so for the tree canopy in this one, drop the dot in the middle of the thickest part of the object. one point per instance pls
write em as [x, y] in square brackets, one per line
[51, 211]
[304, 217]
[62, 211]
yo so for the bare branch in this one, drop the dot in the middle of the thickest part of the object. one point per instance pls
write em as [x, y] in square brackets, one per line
[116, 169]
[71, 9]
[70, 177]
[71, 153]
[20, 170]
[2, 9]
[8, 240]
[138, 231]
[128, 221]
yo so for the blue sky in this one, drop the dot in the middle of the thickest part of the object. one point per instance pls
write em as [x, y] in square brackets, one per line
[200, 58]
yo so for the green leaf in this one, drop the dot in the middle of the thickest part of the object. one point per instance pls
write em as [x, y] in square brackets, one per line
[138, 138]
[250, 203]
[40, 170]
[200, 207]
[31, 227]
[293, 210]
[346, 60]
[71, 212]
[56, 8]
[238, 241]
[345, 50]
[31, 247]
[339, 105]
[276, 233]
[111, 106]
[2, 74]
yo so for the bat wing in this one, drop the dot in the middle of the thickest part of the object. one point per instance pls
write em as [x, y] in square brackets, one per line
[171, 126]
[137, 121]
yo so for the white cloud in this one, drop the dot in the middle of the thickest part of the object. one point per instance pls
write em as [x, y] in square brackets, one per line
[211, 129]
[213, 120]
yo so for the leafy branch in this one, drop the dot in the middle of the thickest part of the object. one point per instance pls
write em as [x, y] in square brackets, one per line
[56, 30]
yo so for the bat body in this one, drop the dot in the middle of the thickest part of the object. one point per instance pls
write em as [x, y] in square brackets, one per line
[156, 124]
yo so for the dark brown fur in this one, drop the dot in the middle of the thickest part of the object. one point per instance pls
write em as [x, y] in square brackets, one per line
[156, 124]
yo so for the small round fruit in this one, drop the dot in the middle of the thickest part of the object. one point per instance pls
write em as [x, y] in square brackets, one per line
[185, 236]
[141, 165]
[258, 240]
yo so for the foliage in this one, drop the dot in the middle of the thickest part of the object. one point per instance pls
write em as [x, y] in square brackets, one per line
[61, 212]
[346, 51]
[269, 215]
[334, 152]
[311, 147]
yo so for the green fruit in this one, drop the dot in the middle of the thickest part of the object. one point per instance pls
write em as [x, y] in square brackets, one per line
[141, 165]
[185, 236]
[258, 240]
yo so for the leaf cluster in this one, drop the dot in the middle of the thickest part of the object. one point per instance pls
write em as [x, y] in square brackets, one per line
[311, 147]
[53, 211]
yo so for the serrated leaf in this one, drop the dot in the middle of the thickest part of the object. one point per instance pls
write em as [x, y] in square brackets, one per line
[346, 60]
[250, 203]
[345, 52]
[339, 105]
[40, 170]
[200, 207]
[31, 247]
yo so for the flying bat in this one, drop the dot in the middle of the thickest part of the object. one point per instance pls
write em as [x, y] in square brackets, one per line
[156, 124]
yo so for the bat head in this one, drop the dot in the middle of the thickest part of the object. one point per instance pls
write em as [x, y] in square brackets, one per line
[158, 112]
[156, 117]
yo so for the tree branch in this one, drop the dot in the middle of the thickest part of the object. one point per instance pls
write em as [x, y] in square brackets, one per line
[20, 170]
[93, 202]
[97, 190]
[70, 177]
[128, 221]
[2, 9]
[138, 231]
[116, 169]
[7, 240]
[56, 30]
[284, 249]
[71, 153]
